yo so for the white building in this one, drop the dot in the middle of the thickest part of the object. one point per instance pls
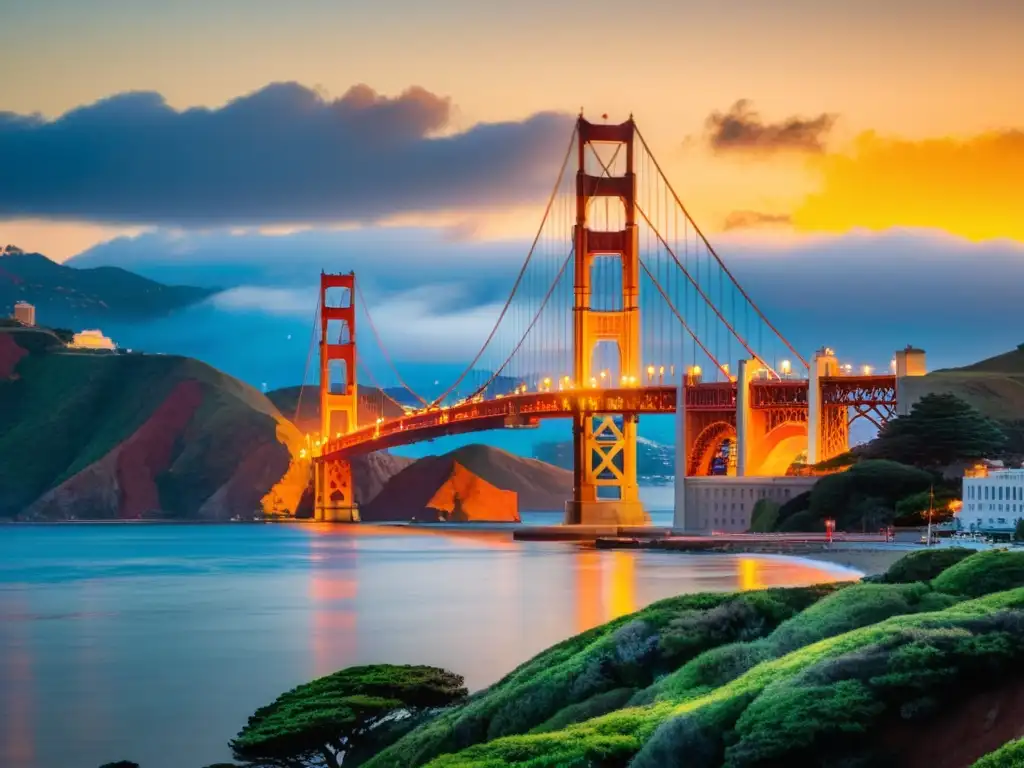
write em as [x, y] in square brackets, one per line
[993, 499]
[92, 340]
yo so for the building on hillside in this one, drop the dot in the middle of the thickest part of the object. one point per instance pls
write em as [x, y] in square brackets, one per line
[92, 340]
[25, 313]
[993, 498]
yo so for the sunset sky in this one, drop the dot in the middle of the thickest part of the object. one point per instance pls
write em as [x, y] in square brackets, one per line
[205, 133]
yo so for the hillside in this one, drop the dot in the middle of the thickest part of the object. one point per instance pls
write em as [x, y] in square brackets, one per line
[134, 436]
[995, 386]
[65, 296]
[537, 485]
[921, 666]
[371, 405]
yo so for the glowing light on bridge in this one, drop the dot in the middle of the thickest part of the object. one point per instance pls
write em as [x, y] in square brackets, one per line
[786, 367]
[866, 370]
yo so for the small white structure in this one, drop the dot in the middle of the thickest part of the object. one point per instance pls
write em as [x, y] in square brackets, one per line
[25, 313]
[92, 340]
[993, 498]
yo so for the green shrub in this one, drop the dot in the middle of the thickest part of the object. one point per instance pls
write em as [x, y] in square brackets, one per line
[601, 704]
[764, 516]
[983, 573]
[678, 737]
[863, 497]
[856, 606]
[1010, 755]
[924, 565]
[708, 671]
[630, 652]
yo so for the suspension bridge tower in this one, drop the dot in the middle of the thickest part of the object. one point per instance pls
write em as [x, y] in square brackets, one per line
[605, 489]
[334, 496]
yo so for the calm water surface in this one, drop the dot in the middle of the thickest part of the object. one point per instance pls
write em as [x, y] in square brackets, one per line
[154, 642]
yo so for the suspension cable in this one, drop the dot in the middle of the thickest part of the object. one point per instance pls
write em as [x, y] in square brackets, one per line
[384, 351]
[309, 356]
[519, 277]
[714, 253]
[668, 248]
[682, 322]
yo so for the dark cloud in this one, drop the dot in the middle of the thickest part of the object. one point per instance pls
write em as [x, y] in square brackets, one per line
[742, 129]
[283, 154]
[753, 219]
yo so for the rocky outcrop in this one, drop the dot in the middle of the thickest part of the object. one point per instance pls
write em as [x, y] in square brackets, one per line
[370, 473]
[408, 494]
[465, 497]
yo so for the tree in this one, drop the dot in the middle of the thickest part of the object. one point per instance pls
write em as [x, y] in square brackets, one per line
[863, 497]
[913, 509]
[939, 430]
[1018, 531]
[320, 722]
[764, 516]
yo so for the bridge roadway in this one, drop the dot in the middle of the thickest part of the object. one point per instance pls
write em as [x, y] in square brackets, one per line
[526, 410]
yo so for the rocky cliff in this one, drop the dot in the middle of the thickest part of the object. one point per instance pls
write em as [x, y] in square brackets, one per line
[407, 495]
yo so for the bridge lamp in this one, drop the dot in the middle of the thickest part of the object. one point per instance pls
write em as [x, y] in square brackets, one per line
[593, 383]
[867, 370]
[302, 453]
[847, 367]
[625, 380]
[786, 367]
[892, 365]
[650, 373]
[547, 384]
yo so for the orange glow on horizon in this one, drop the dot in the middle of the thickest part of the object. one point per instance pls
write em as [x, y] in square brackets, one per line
[967, 187]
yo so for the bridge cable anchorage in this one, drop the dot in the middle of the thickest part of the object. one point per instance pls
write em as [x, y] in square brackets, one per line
[309, 356]
[700, 291]
[519, 278]
[682, 322]
[384, 351]
[714, 253]
[547, 297]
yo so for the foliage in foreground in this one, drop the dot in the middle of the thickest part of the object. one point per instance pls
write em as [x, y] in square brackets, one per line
[765, 678]
[924, 565]
[326, 719]
[1010, 755]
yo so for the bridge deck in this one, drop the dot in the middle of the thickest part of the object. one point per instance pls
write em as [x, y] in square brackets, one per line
[525, 410]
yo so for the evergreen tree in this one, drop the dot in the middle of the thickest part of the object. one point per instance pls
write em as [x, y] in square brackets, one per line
[319, 723]
[939, 430]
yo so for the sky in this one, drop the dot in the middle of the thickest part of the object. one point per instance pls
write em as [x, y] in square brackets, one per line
[871, 148]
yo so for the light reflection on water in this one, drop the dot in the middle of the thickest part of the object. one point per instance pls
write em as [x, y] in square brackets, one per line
[153, 643]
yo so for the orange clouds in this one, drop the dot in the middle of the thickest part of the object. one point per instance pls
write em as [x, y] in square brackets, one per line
[972, 187]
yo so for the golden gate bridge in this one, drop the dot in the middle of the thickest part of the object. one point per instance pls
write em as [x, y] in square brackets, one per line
[622, 307]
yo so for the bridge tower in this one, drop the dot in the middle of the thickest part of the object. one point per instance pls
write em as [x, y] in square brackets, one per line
[333, 488]
[605, 489]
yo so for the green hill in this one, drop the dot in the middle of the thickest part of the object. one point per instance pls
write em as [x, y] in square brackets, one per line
[67, 296]
[92, 435]
[921, 668]
[995, 386]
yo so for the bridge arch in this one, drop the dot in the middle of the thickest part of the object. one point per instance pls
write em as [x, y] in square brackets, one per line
[709, 440]
[775, 452]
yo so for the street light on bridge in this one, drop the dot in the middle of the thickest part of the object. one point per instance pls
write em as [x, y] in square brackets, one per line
[785, 367]
[867, 370]
[650, 374]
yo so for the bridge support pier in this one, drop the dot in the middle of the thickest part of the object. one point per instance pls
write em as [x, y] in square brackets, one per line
[682, 460]
[909, 362]
[334, 499]
[744, 417]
